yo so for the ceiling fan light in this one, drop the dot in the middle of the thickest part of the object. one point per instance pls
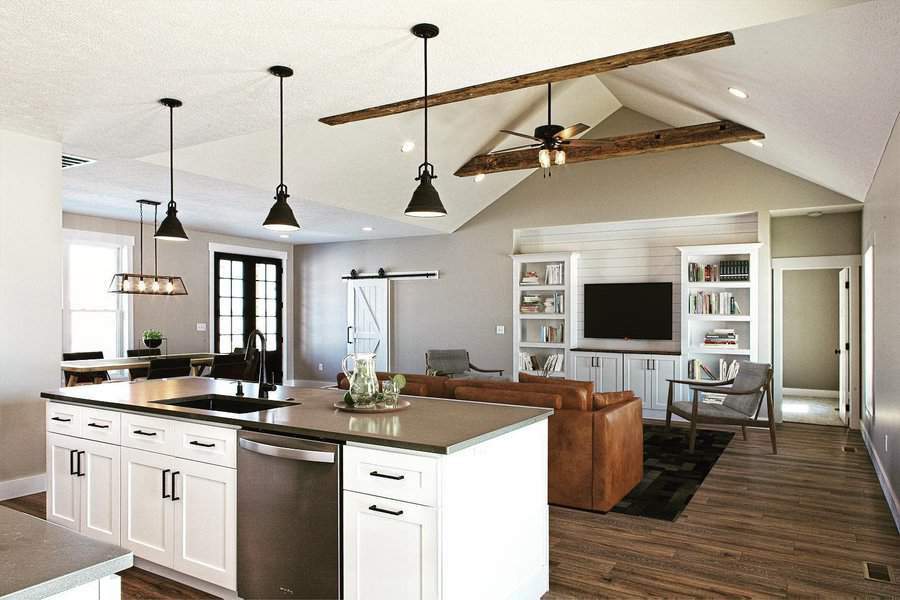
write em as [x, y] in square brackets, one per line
[171, 229]
[425, 202]
[544, 158]
[281, 217]
[559, 157]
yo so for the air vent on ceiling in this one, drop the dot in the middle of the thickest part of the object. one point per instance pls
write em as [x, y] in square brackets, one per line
[70, 160]
[878, 572]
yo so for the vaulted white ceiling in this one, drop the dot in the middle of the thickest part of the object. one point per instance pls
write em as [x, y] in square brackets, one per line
[89, 73]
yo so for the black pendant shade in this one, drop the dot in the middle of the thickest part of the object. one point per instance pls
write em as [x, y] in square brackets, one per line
[425, 202]
[170, 229]
[281, 217]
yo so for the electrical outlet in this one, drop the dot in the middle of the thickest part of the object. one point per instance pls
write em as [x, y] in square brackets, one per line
[201, 326]
[501, 329]
[321, 367]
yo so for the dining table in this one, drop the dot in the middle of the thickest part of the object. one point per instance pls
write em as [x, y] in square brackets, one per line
[72, 368]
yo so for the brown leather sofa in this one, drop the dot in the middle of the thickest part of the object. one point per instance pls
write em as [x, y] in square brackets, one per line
[596, 451]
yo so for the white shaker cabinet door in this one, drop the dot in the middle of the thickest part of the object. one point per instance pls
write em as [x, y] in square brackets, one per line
[639, 378]
[147, 505]
[63, 485]
[664, 368]
[100, 491]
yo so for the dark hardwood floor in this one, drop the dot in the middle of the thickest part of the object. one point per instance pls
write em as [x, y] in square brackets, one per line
[799, 524]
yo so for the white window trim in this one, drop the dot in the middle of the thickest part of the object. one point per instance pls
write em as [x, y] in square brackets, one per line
[126, 242]
[287, 286]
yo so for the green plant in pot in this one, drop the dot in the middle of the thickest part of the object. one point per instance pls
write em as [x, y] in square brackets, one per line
[152, 338]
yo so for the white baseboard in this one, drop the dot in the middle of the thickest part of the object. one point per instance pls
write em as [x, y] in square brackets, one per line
[889, 495]
[14, 488]
[809, 393]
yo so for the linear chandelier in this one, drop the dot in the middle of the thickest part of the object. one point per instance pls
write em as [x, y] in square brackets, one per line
[142, 283]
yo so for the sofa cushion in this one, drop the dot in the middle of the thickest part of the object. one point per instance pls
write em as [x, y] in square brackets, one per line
[601, 399]
[573, 398]
[482, 394]
[587, 386]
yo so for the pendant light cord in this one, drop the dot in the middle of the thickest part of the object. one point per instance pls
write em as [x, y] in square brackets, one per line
[141, 259]
[281, 125]
[155, 272]
[426, 103]
[171, 157]
[549, 121]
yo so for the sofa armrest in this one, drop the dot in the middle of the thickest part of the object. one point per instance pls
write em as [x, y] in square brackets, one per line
[602, 399]
[618, 452]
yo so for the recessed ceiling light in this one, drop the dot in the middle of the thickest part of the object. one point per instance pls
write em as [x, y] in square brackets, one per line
[284, 235]
[479, 178]
[367, 229]
[757, 143]
[739, 93]
[815, 213]
[408, 146]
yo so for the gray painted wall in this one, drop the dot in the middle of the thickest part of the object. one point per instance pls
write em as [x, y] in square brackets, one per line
[177, 317]
[475, 290]
[834, 234]
[881, 224]
[811, 329]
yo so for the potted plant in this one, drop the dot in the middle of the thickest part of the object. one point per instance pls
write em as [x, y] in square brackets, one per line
[152, 338]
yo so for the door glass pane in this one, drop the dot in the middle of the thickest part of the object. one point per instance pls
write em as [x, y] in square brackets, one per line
[224, 268]
[94, 331]
[225, 343]
[260, 272]
[270, 272]
[270, 289]
[237, 307]
[270, 308]
[260, 289]
[271, 326]
[260, 307]
[224, 325]
[237, 288]
[224, 306]
[237, 269]
[261, 323]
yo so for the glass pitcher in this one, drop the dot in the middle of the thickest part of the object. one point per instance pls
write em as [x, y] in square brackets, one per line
[363, 381]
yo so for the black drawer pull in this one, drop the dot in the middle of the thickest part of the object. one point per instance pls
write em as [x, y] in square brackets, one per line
[201, 444]
[98, 426]
[174, 497]
[72, 454]
[386, 476]
[139, 432]
[78, 462]
[396, 513]
[60, 419]
[164, 473]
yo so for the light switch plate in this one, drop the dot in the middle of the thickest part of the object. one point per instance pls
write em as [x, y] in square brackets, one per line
[201, 326]
[501, 329]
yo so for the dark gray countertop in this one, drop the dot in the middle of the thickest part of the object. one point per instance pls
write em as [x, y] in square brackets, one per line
[429, 425]
[39, 559]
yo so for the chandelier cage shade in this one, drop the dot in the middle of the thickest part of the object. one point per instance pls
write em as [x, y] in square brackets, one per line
[281, 216]
[171, 229]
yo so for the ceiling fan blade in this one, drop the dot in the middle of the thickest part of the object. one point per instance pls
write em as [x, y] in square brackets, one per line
[518, 82]
[632, 144]
[572, 131]
[492, 152]
[524, 135]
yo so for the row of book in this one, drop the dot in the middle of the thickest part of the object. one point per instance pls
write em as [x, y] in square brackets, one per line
[553, 275]
[713, 303]
[721, 338]
[724, 270]
[532, 362]
[726, 370]
[531, 304]
[550, 334]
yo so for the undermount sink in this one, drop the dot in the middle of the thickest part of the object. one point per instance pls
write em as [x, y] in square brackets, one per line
[229, 404]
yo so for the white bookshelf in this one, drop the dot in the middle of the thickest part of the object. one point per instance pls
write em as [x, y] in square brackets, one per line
[746, 294]
[527, 326]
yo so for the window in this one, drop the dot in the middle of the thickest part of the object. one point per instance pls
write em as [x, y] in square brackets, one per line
[94, 319]
[247, 296]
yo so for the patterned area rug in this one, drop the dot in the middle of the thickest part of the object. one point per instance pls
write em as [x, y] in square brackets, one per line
[671, 474]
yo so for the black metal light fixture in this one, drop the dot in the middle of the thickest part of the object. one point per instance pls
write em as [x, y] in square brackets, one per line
[425, 202]
[170, 229]
[141, 283]
[281, 217]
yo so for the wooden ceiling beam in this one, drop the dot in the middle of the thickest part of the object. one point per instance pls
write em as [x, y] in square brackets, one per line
[518, 82]
[633, 144]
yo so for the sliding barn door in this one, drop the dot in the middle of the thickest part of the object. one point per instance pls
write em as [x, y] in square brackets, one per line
[368, 319]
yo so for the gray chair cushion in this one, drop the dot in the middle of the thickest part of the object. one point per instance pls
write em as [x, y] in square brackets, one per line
[751, 376]
[447, 361]
[719, 411]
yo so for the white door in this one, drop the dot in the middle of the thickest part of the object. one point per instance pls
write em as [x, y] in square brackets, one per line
[63, 483]
[638, 378]
[608, 373]
[206, 522]
[584, 368]
[368, 319]
[843, 344]
[390, 549]
[100, 491]
[147, 505]
[663, 369]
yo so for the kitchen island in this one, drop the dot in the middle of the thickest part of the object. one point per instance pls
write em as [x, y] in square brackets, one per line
[446, 499]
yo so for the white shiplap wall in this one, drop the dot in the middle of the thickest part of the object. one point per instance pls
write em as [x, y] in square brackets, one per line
[635, 251]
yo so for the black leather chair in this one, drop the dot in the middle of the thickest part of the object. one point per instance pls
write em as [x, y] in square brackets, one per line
[85, 377]
[229, 366]
[179, 366]
[141, 372]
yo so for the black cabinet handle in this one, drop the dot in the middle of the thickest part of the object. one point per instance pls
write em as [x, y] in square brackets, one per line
[164, 473]
[201, 444]
[386, 476]
[139, 432]
[60, 419]
[174, 497]
[78, 461]
[396, 513]
[72, 470]
[98, 426]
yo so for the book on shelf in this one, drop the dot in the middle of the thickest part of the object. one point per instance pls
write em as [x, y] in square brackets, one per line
[530, 278]
[550, 334]
[724, 338]
[533, 303]
[553, 274]
[554, 363]
[713, 303]
[698, 371]
[724, 270]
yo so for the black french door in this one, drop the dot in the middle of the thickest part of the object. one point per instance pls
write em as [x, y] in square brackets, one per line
[247, 296]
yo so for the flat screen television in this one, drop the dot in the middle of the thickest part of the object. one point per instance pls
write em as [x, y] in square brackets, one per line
[638, 311]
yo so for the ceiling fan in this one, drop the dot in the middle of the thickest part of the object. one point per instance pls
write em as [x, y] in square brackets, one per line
[550, 138]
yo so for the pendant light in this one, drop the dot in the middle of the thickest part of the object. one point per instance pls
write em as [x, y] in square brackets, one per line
[281, 217]
[141, 283]
[425, 200]
[171, 229]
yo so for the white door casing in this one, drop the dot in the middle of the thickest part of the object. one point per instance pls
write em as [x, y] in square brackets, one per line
[368, 319]
[843, 342]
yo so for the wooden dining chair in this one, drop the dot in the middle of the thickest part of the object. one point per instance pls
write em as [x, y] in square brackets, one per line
[84, 378]
[160, 368]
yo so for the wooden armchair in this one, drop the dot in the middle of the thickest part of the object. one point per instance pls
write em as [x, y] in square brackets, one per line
[741, 406]
[453, 363]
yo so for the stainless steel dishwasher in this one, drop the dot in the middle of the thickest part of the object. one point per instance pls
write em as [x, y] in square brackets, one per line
[288, 523]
